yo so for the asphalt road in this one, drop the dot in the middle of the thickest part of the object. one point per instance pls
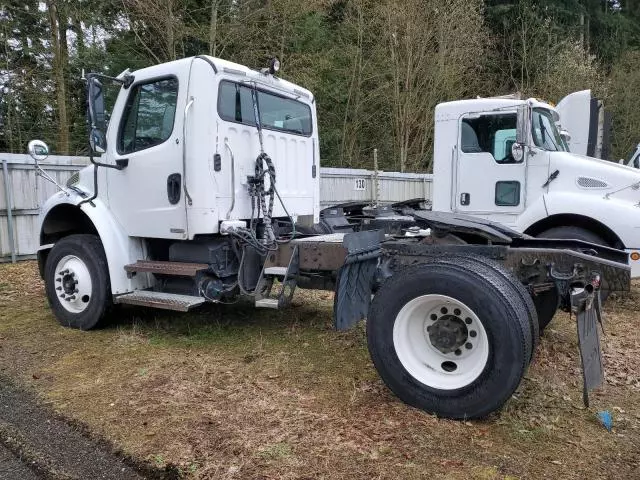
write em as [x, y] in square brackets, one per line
[13, 468]
[35, 443]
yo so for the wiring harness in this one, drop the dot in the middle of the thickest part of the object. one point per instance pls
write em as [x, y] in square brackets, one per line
[262, 202]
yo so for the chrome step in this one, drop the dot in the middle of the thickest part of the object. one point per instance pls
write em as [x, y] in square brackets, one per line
[275, 271]
[165, 301]
[267, 303]
[166, 268]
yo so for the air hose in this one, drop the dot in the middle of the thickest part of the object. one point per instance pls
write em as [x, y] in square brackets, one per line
[262, 201]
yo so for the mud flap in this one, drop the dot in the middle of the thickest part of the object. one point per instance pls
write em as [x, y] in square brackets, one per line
[587, 308]
[355, 278]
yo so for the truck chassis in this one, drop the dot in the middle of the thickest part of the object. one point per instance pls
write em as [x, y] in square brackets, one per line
[447, 307]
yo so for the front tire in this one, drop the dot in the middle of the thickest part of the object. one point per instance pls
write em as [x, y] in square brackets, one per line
[77, 281]
[419, 332]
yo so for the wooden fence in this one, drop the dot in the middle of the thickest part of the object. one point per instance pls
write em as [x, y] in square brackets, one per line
[25, 192]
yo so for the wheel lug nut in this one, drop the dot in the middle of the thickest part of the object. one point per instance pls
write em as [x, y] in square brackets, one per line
[458, 352]
[473, 333]
[444, 310]
[59, 288]
[58, 279]
[73, 297]
[434, 316]
[457, 312]
[467, 321]
[62, 296]
[468, 346]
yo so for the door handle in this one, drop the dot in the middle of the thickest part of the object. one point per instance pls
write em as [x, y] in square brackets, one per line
[174, 188]
[465, 199]
[122, 163]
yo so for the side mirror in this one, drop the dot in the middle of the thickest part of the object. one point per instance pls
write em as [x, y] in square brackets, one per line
[97, 141]
[522, 125]
[38, 150]
[97, 117]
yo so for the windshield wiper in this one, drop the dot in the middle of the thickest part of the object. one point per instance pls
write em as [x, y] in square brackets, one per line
[551, 178]
[543, 131]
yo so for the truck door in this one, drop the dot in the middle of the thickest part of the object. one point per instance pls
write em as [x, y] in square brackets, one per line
[489, 180]
[147, 195]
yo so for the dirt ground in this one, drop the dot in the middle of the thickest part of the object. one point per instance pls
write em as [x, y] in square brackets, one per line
[231, 392]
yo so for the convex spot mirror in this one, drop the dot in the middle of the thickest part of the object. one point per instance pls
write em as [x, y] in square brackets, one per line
[38, 150]
[97, 118]
[517, 152]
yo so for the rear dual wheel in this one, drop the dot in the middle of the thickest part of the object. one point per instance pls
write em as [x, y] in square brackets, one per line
[452, 337]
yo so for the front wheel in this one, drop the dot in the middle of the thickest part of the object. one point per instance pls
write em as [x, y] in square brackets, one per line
[449, 339]
[77, 281]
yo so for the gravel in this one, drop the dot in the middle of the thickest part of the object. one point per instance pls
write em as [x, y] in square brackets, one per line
[36, 443]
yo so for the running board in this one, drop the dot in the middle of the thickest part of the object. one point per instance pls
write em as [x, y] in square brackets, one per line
[161, 300]
[181, 269]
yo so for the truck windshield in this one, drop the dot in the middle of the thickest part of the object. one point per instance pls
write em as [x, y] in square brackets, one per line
[545, 133]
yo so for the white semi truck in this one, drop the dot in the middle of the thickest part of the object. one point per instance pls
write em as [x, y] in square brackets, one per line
[532, 185]
[207, 189]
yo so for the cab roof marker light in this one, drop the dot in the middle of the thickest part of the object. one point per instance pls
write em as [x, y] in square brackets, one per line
[234, 71]
[301, 93]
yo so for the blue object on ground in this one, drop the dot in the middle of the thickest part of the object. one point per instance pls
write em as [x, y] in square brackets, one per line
[606, 419]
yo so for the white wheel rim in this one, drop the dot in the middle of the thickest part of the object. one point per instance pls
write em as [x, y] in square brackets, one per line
[72, 284]
[427, 363]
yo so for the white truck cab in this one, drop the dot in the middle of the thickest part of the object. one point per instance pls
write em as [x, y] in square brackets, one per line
[177, 158]
[504, 160]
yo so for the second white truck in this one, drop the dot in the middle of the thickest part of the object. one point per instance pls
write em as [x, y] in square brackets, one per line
[504, 160]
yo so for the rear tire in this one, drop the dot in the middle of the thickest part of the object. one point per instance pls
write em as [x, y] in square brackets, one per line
[509, 282]
[417, 370]
[77, 281]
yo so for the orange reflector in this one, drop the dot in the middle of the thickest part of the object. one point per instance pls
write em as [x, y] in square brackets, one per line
[635, 256]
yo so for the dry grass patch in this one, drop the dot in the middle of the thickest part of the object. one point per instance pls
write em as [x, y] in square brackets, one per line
[231, 392]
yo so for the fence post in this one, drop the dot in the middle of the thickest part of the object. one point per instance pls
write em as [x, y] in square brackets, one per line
[375, 187]
[9, 199]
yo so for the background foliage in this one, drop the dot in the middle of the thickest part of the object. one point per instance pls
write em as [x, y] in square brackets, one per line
[377, 67]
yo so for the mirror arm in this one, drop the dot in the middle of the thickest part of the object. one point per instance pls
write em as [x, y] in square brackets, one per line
[125, 82]
[45, 175]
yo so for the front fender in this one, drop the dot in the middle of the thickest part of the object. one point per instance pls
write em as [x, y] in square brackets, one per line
[119, 248]
[619, 215]
[532, 214]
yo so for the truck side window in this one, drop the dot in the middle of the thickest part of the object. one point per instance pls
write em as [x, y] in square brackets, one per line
[490, 133]
[507, 193]
[148, 116]
[235, 104]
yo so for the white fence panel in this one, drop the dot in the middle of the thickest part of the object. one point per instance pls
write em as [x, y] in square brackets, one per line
[339, 185]
[29, 191]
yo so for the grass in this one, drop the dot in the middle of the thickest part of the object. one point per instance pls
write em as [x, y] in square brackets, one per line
[233, 392]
